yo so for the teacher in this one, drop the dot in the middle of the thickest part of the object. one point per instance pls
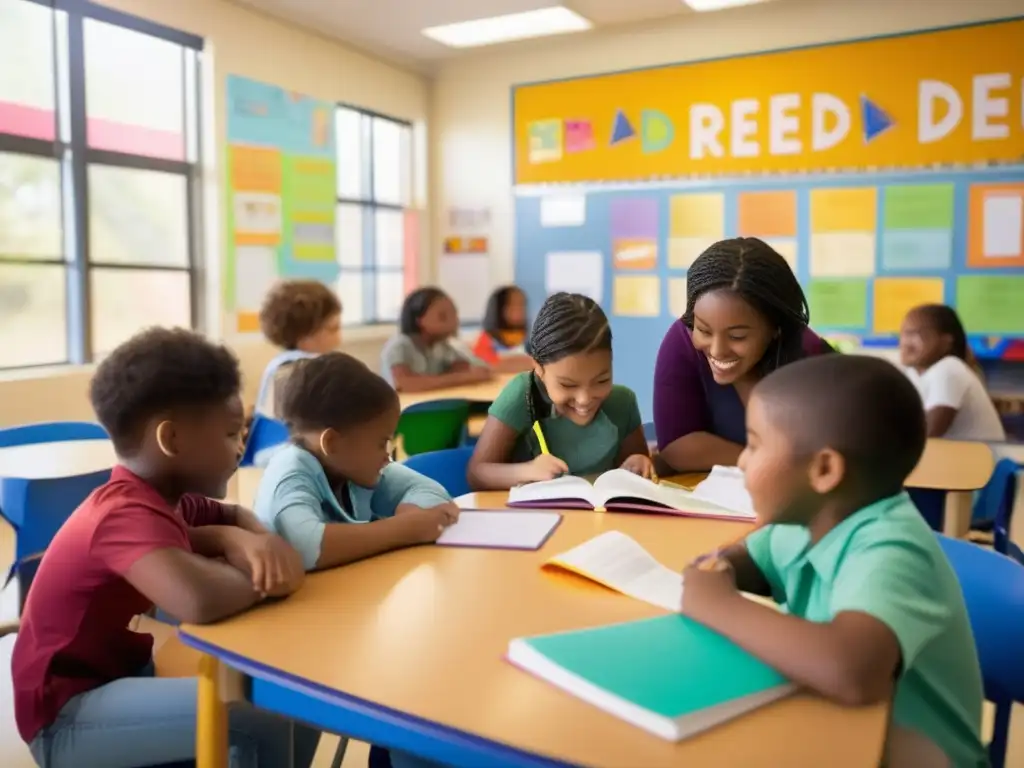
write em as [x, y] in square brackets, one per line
[746, 315]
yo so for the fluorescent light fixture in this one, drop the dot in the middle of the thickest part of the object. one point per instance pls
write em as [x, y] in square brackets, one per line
[717, 5]
[556, 20]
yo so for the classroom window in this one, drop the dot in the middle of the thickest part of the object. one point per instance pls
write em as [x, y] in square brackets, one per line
[374, 193]
[99, 148]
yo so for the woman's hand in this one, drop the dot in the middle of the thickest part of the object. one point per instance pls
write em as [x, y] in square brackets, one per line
[639, 464]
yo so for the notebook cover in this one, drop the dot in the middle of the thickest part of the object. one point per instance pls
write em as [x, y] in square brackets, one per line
[669, 665]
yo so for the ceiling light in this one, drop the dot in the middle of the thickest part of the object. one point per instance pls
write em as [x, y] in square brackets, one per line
[514, 26]
[717, 5]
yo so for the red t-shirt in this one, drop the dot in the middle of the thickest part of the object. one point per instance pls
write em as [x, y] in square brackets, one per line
[74, 633]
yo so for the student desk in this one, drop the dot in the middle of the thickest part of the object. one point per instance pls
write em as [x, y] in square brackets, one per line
[406, 650]
[484, 392]
[959, 468]
[41, 461]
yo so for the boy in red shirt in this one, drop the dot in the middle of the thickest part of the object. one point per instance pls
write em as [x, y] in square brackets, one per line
[84, 691]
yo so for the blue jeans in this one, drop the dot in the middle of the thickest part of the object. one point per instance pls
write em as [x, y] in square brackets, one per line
[143, 721]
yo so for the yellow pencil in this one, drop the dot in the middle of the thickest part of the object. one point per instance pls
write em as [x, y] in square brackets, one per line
[540, 437]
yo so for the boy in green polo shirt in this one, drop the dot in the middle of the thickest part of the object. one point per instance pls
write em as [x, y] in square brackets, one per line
[874, 611]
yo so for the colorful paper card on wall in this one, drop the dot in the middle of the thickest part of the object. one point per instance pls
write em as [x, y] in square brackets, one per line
[895, 296]
[695, 222]
[772, 217]
[843, 223]
[840, 304]
[575, 272]
[990, 304]
[995, 236]
[636, 296]
[634, 225]
[929, 98]
[563, 210]
[917, 222]
[677, 296]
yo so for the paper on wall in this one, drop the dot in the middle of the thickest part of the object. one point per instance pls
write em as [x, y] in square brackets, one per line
[466, 278]
[563, 211]
[1003, 224]
[575, 272]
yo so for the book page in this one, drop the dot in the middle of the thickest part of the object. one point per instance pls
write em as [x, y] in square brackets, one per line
[618, 562]
[619, 483]
[567, 487]
[724, 486]
[500, 530]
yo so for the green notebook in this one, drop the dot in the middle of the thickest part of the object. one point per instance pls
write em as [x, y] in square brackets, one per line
[668, 675]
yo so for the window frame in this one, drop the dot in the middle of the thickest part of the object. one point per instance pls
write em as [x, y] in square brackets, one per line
[369, 204]
[71, 150]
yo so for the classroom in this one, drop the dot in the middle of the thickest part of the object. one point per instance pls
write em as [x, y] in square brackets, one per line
[171, 163]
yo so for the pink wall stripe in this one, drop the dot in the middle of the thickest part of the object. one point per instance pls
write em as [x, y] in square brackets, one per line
[135, 140]
[32, 122]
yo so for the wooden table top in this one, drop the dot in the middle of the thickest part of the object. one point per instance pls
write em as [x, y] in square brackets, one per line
[64, 459]
[952, 465]
[483, 392]
[424, 631]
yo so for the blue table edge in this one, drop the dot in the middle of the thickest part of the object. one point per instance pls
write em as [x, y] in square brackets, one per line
[301, 699]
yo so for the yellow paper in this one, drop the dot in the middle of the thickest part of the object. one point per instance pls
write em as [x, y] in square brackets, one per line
[700, 215]
[677, 296]
[895, 296]
[844, 210]
[637, 296]
[843, 254]
[787, 249]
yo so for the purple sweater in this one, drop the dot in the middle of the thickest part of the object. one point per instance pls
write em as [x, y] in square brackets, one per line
[687, 398]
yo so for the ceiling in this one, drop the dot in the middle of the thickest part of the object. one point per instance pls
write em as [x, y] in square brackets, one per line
[391, 28]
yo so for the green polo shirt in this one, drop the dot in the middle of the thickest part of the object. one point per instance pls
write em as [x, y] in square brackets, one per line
[588, 450]
[886, 562]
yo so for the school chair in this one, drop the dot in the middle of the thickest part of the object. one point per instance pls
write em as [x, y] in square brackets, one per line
[265, 434]
[431, 426]
[51, 432]
[993, 588]
[993, 507]
[447, 467]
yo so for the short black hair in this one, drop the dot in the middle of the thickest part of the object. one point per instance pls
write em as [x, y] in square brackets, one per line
[760, 276]
[567, 324]
[295, 309]
[494, 315]
[333, 391]
[945, 321]
[863, 407]
[157, 370]
[415, 307]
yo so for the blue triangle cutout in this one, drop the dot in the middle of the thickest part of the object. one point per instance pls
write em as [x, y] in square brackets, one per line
[876, 120]
[622, 129]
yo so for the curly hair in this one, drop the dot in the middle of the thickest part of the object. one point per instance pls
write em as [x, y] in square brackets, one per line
[157, 370]
[294, 309]
[333, 391]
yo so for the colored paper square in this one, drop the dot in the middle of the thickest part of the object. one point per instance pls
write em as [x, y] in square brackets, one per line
[634, 217]
[991, 304]
[635, 253]
[697, 215]
[677, 296]
[995, 231]
[636, 296]
[843, 254]
[683, 251]
[767, 214]
[255, 169]
[579, 136]
[843, 210]
[894, 297]
[838, 304]
[918, 206]
[910, 250]
[787, 249]
[545, 138]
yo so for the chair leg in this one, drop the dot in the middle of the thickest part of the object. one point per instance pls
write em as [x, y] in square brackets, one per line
[1000, 735]
[339, 753]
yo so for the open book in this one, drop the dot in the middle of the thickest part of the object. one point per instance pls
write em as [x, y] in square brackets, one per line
[619, 490]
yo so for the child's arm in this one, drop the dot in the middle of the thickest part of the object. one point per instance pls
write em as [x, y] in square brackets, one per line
[749, 578]
[490, 468]
[407, 381]
[400, 486]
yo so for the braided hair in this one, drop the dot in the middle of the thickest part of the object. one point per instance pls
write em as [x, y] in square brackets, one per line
[567, 324]
[755, 272]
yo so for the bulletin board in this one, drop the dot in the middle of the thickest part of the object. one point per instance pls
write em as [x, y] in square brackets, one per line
[907, 101]
[281, 193]
[866, 248]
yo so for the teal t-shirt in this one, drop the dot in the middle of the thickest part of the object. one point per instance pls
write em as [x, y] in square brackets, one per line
[588, 450]
[886, 562]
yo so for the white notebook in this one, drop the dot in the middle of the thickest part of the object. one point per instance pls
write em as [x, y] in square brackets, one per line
[501, 529]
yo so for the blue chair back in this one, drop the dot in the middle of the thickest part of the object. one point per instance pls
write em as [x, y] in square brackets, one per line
[447, 467]
[993, 588]
[931, 503]
[264, 433]
[995, 503]
[51, 432]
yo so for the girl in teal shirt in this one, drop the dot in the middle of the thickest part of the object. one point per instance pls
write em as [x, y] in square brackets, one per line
[589, 424]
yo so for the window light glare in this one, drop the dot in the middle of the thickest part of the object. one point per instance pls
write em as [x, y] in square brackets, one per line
[556, 20]
[717, 5]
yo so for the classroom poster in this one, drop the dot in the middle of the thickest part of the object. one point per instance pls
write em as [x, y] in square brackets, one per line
[281, 197]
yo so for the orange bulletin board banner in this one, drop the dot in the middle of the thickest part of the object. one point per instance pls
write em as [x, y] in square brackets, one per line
[937, 97]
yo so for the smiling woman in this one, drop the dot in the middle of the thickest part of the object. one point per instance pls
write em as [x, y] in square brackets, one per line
[746, 315]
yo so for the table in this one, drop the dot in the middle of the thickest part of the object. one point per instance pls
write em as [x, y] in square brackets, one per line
[43, 461]
[959, 468]
[416, 662]
[483, 392]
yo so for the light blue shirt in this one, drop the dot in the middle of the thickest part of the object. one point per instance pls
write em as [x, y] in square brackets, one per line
[296, 500]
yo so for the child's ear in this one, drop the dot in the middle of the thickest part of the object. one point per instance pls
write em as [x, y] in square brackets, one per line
[538, 370]
[826, 470]
[167, 438]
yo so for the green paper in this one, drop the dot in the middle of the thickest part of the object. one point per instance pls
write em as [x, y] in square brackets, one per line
[839, 303]
[992, 305]
[919, 206]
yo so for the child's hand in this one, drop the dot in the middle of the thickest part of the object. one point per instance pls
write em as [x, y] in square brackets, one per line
[460, 365]
[274, 566]
[479, 373]
[543, 467]
[639, 464]
[426, 524]
[707, 584]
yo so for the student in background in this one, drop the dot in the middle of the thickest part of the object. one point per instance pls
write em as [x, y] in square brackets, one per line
[303, 318]
[502, 339]
[84, 691]
[934, 351]
[746, 316]
[874, 611]
[422, 356]
[589, 424]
